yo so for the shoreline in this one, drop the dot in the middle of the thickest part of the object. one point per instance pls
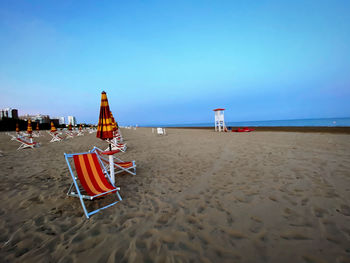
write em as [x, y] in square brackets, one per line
[306, 129]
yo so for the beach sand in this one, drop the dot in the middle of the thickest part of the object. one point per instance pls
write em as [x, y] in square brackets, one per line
[198, 196]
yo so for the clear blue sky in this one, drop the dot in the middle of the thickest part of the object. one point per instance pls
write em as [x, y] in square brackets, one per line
[164, 62]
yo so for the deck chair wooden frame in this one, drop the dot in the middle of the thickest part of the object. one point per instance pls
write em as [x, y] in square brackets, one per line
[89, 180]
[120, 166]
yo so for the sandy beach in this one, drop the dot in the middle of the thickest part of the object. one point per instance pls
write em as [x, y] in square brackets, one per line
[198, 196]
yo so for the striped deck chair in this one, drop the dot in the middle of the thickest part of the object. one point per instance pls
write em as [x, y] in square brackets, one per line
[117, 136]
[90, 181]
[116, 145]
[70, 134]
[55, 137]
[13, 137]
[119, 165]
[26, 144]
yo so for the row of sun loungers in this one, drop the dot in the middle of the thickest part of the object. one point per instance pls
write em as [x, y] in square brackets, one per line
[26, 140]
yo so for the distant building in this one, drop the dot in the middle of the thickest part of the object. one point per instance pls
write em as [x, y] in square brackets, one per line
[14, 114]
[60, 120]
[72, 120]
[9, 113]
[37, 118]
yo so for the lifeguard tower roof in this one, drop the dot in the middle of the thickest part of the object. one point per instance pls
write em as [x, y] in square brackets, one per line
[218, 109]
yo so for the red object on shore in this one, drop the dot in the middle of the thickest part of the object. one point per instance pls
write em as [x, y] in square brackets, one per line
[245, 129]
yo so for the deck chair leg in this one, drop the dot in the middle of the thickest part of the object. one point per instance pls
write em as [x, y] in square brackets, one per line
[84, 208]
[119, 197]
[70, 189]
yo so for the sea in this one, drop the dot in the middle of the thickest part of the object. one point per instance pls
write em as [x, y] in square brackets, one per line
[324, 122]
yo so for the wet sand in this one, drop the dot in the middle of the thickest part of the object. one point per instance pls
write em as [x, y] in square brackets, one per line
[198, 196]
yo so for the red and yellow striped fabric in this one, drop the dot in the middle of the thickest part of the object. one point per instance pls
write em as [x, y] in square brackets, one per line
[37, 126]
[114, 123]
[70, 127]
[17, 127]
[121, 164]
[80, 128]
[125, 164]
[29, 127]
[53, 128]
[90, 174]
[105, 126]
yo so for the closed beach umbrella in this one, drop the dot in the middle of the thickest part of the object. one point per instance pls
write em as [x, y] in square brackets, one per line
[105, 130]
[29, 127]
[69, 127]
[80, 128]
[105, 127]
[53, 128]
[17, 127]
[37, 126]
[115, 127]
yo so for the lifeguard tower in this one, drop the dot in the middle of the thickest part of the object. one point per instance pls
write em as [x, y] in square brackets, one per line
[219, 120]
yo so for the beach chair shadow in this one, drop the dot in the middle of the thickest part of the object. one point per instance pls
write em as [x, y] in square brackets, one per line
[90, 180]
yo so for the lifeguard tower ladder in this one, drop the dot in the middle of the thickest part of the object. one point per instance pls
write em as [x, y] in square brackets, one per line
[219, 120]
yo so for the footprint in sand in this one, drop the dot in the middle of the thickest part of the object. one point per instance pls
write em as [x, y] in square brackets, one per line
[312, 259]
[332, 232]
[304, 201]
[256, 224]
[319, 212]
[344, 209]
[294, 236]
[273, 198]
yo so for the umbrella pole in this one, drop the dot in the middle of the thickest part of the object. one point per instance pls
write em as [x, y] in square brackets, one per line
[111, 169]
[111, 166]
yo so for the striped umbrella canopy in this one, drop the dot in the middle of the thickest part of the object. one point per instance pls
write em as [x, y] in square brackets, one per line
[17, 127]
[70, 127]
[29, 127]
[115, 127]
[37, 126]
[53, 128]
[105, 127]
